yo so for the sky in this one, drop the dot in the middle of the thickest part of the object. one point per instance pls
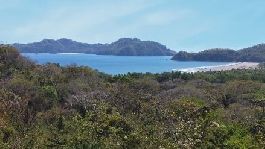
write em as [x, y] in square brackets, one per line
[190, 25]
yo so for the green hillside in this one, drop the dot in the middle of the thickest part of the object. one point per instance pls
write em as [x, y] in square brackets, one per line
[251, 54]
[49, 106]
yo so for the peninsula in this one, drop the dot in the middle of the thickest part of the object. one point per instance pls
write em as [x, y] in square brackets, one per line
[252, 54]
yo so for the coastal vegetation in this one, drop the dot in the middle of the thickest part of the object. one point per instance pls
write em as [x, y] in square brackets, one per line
[50, 106]
[251, 54]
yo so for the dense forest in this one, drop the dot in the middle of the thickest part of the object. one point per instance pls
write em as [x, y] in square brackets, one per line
[122, 47]
[49, 106]
[251, 54]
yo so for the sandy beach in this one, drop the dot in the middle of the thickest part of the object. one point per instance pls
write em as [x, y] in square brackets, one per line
[231, 66]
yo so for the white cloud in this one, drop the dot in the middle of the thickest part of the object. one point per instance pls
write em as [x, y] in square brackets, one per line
[163, 17]
[74, 20]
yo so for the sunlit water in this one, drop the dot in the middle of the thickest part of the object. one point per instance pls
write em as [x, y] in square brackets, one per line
[119, 64]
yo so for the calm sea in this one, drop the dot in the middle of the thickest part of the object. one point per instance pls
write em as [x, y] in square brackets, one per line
[119, 64]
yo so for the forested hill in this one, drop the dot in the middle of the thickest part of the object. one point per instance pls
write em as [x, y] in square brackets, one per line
[49, 106]
[251, 54]
[122, 47]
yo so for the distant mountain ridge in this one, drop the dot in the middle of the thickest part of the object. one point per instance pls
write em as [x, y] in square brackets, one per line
[252, 54]
[122, 47]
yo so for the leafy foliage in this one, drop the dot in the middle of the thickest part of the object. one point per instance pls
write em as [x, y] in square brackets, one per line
[49, 106]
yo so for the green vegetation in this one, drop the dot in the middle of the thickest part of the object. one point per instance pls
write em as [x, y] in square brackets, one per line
[48, 106]
[251, 54]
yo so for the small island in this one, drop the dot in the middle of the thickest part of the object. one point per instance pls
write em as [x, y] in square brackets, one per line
[122, 47]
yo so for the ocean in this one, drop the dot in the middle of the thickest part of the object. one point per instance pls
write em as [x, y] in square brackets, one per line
[119, 64]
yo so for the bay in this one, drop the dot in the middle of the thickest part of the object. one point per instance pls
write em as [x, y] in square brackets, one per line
[118, 64]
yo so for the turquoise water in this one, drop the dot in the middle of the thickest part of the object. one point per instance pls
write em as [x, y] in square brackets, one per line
[119, 64]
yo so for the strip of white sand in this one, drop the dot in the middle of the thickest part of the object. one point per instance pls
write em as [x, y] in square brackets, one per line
[70, 53]
[231, 66]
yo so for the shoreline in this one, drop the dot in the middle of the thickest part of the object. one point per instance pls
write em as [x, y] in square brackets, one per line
[226, 67]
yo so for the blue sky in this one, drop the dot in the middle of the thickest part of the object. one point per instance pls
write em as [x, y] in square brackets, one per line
[191, 25]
